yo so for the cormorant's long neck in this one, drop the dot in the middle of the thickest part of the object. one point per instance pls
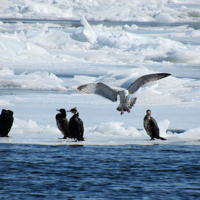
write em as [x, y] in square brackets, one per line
[76, 114]
[64, 115]
[148, 116]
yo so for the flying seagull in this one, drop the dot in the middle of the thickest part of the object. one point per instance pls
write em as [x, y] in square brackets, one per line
[126, 102]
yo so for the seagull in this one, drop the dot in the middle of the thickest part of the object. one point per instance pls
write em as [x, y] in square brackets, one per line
[151, 126]
[126, 102]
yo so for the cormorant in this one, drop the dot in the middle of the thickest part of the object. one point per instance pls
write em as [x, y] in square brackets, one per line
[76, 127]
[63, 123]
[151, 126]
[126, 102]
[6, 122]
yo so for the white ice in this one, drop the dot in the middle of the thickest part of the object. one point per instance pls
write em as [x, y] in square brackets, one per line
[42, 64]
[130, 10]
[36, 80]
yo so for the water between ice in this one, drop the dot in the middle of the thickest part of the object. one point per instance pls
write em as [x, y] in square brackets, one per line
[77, 23]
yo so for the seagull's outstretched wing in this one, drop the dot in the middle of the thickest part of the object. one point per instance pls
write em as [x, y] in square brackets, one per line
[100, 89]
[145, 79]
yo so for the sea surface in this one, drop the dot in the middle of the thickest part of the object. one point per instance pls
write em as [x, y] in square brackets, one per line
[99, 172]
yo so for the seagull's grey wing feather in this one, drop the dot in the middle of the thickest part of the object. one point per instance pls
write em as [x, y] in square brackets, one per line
[100, 89]
[145, 79]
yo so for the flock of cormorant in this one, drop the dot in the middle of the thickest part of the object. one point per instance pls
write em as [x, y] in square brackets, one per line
[74, 127]
[70, 129]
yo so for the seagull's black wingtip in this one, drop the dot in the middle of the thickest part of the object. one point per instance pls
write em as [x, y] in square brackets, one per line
[167, 74]
[81, 87]
[163, 75]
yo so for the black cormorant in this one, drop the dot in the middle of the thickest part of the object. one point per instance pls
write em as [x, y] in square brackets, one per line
[63, 123]
[6, 122]
[76, 127]
[151, 126]
[126, 102]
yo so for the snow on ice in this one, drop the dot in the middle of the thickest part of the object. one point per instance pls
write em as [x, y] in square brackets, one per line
[42, 64]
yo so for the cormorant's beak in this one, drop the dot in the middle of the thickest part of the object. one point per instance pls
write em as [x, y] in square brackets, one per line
[57, 110]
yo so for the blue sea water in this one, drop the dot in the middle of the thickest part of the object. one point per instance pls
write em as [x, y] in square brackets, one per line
[99, 172]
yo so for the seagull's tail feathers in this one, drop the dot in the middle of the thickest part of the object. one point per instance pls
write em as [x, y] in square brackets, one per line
[132, 102]
[119, 108]
[128, 106]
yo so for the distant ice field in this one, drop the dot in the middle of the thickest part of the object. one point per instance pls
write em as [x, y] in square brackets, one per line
[42, 64]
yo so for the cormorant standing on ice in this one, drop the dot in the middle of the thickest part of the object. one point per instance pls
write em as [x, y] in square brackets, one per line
[63, 123]
[151, 126]
[76, 127]
[6, 122]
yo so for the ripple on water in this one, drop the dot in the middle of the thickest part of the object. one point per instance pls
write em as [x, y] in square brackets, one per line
[108, 172]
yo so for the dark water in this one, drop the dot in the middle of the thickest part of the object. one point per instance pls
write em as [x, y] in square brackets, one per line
[99, 172]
